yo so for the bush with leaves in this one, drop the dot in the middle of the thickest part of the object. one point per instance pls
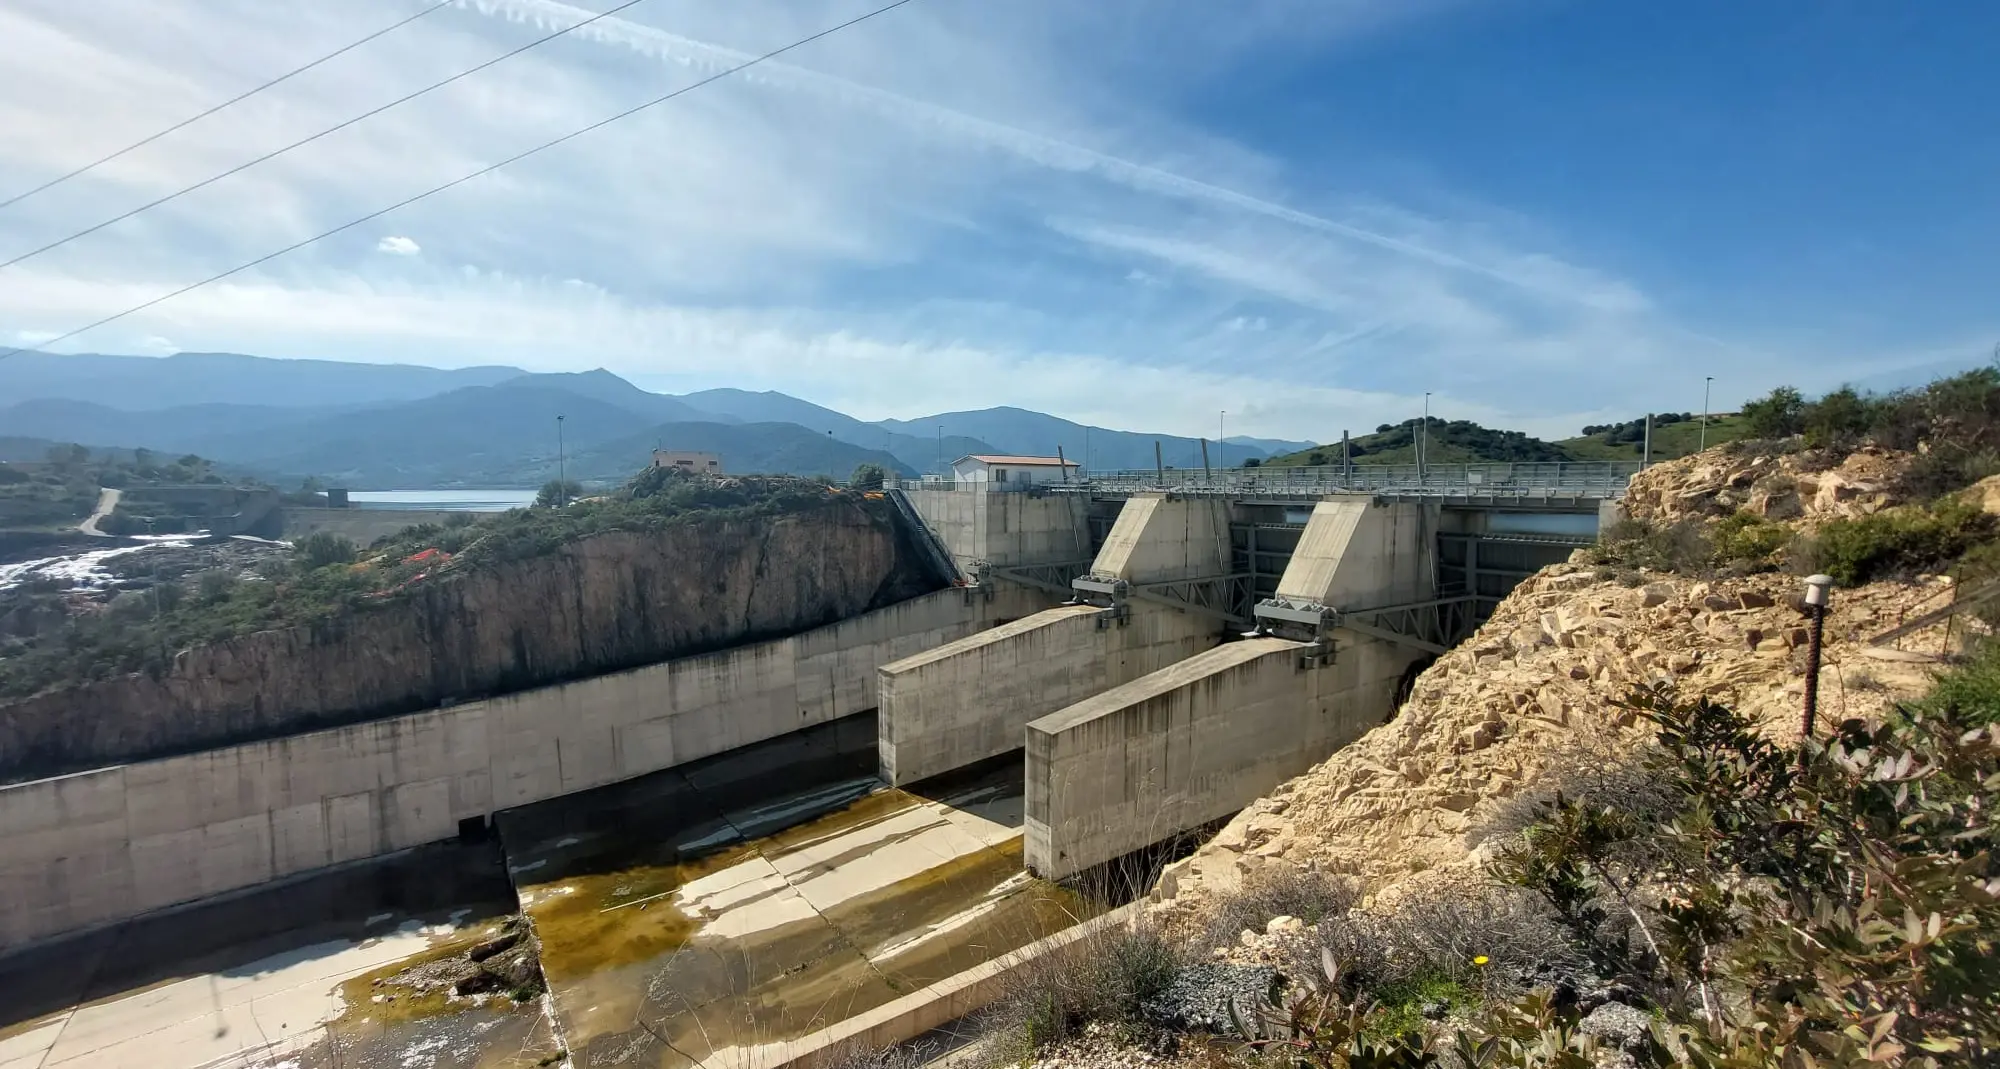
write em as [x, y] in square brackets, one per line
[1898, 541]
[867, 477]
[321, 548]
[1835, 905]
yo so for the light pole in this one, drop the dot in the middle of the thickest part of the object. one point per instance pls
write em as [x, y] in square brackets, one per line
[1221, 454]
[1424, 442]
[1706, 383]
[1819, 590]
[562, 467]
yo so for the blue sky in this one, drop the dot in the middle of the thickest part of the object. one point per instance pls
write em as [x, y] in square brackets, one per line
[1130, 212]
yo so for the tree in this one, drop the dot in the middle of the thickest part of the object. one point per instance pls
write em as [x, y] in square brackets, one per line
[1779, 414]
[1252, 462]
[558, 492]
[321, 548]
[868, 477]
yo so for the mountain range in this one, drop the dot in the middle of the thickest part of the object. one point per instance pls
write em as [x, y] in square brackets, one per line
[376, 426]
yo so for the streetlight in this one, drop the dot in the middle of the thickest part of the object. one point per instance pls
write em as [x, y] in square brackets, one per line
[1706, 383]
[1424, 442]
[562, 468]
[1221, 457]
[1819, 591]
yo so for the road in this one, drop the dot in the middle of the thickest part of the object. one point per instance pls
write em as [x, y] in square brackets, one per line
[107, 500]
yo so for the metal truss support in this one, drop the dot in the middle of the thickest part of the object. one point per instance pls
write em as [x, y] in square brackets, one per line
[1432, 626]
[1054, 578]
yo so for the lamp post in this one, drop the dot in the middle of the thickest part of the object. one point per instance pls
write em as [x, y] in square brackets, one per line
[1424, 442]
[1819, 590]
[1706, 383]
[562, 468]
[1221, 457]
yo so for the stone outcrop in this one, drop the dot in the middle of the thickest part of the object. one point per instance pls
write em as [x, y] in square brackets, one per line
[599, 604]
[1807, 487]
[1534, 691]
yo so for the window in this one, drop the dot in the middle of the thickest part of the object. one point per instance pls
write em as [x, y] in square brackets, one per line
[999, 475]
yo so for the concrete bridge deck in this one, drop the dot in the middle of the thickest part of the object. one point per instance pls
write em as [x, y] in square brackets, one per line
[1526, 485]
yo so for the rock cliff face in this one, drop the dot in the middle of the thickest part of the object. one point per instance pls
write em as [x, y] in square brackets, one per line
[600, 604]
[1532, 692]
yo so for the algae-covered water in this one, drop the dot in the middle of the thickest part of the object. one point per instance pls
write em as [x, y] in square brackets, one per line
[704, 912]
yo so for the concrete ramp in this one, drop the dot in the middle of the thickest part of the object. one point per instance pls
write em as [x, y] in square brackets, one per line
[969, 700]
[1197, 741]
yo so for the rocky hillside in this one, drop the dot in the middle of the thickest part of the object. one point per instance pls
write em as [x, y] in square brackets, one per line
[1534, 691]
[593, 604]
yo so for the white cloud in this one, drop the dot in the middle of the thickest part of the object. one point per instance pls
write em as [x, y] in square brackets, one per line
[923, 213]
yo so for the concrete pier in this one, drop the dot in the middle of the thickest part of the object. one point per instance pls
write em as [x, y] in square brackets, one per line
[1197, 741]
[969, 700]
[1006, 529]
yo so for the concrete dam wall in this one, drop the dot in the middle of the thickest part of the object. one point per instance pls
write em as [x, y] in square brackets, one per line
[112, 843]
[601, 604]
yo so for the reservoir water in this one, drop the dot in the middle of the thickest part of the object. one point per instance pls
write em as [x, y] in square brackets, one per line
[443, 500]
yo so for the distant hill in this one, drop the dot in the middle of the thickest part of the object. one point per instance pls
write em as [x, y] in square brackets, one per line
[381, 426]
[1450, 442]
[919, 452]
[1670, 440]
[145, 383]
[1019, 431]
[1270, 446]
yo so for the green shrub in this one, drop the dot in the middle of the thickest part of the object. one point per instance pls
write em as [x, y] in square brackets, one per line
[1683, 546]
[1749, 539]
[1897, 541]
[867, 477]
[1778, 414]
[321, 548]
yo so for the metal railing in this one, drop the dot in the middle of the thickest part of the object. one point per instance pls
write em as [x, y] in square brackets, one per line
[1586, 479]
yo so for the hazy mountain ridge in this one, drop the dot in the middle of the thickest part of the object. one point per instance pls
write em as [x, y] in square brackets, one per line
[384, 426]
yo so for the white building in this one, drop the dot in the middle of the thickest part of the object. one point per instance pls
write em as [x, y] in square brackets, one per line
[687, 460]
[1013, 473]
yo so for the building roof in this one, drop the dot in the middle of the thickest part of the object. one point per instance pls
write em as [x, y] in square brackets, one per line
[1017, 462]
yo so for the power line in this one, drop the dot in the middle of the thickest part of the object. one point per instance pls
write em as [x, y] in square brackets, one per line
[461, 180]
[237, 99]
[241, 167]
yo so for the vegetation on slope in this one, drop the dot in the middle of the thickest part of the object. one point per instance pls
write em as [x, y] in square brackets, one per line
[1720, 901]
[1672, 439]
[1952, 427]
[1449, 442]
[327, 576]
[60, 489]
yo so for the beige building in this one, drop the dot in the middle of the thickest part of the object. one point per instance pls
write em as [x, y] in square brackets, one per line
[709, 463]
[1012, 473]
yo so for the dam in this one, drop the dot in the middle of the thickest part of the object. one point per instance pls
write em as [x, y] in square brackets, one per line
[1113, 663]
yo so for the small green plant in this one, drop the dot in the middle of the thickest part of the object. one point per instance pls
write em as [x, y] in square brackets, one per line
[1897, 541]
[1747, 539]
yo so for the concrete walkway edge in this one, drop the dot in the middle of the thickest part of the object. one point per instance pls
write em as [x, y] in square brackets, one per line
[919, 1012]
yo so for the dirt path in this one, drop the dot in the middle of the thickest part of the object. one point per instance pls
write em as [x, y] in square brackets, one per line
[107, 500]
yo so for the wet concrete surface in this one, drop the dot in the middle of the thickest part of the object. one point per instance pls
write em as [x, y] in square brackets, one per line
[278, 978]
[700, 913]
[689, 916]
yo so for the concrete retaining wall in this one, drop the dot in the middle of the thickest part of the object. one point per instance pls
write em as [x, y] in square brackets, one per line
[1191, 744]
[101, 846]
[969, 700]
[1007, 529]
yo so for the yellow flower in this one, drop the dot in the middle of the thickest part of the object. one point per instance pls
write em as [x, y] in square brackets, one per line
[1480, 960]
